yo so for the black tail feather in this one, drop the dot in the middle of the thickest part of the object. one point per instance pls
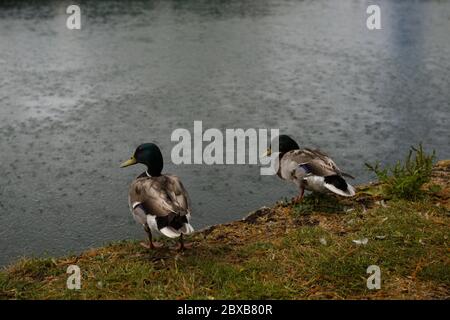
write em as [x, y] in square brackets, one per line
[173, 220]
[337, 181]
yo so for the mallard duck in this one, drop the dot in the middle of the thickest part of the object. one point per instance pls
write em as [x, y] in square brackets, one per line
[310, 169]
[158, 201]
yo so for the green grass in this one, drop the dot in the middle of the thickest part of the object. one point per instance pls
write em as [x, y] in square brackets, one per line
[405, 180]
[304, 251]
[289, 263]
[317, 202]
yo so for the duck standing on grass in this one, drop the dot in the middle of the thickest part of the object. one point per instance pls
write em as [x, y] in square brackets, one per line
[158, 201]
[310, 169]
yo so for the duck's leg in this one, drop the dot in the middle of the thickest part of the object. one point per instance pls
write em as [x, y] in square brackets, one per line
[181, 245]
[151, 244]
[299, 198]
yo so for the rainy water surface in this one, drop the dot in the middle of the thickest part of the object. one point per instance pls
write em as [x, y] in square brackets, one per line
[74, 104]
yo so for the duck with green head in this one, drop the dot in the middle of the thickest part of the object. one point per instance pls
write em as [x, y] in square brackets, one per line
[158, 201]
[310, 169]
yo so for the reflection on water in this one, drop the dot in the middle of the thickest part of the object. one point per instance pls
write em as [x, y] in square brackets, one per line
[74, 104]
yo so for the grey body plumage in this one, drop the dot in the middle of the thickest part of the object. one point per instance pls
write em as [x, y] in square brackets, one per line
[158, 201]
[311, 169]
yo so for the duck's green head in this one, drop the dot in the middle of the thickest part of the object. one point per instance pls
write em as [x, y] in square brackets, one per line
[285, 144]
[149, 155]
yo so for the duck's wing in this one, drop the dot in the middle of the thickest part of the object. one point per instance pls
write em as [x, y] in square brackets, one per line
[179, 194]
[163, 203]
[316, 169]
[319, 163]
[330, 162]
[305, 161]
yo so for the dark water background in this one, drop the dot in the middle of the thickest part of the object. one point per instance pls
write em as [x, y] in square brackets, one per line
[74, 104]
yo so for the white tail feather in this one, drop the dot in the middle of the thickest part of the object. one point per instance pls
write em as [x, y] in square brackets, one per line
[187, 228]
[351, 190]
[170, 232]
[349, 193]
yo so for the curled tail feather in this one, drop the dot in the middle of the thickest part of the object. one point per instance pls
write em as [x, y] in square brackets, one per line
[338, 185]
[173, 225]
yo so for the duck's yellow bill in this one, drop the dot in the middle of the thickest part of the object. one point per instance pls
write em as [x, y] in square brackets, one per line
[129, 162]
[267, 153]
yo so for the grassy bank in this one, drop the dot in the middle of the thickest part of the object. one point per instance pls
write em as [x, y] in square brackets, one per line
[308, 251]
